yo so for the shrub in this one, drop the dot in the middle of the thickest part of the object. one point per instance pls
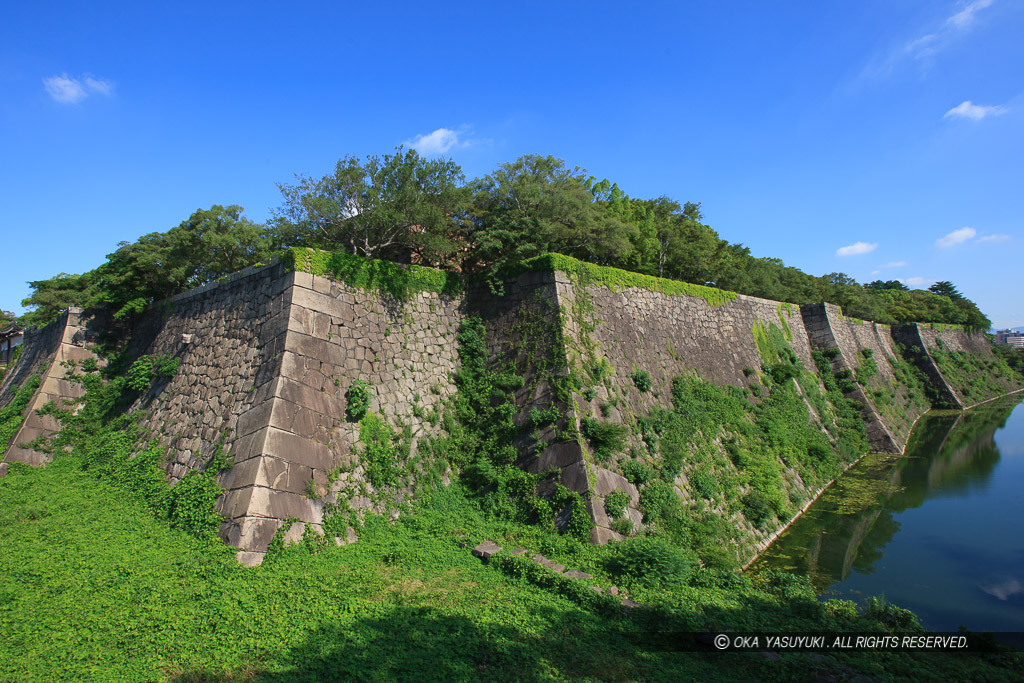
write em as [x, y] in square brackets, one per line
[543, 417]
[642, 380]
[382, 451]
[615, 504]
[651, 561]
[659, 501]
[636, 472]
[757, 508]
[358, 398]
[607, 438]
[165, 366]
[623, 526]
[140, 374]
[191, 505]
[891, 616]
[704, 483]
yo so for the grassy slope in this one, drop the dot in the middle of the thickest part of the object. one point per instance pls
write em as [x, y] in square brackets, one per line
[93, 587]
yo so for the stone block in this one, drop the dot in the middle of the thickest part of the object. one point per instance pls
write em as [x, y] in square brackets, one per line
[293, 448]
[255, 418]
[302, 279]
[320, 402]
[575, 478]
[558, 455]
[249, 559]
[273, 504]
[240, 475]
[606, 481]
[600, 536]
[486, 549]
[3, 470]
[322, 303]
[350, 537]
[311, 347]
[305, 422]
[518, 551]
[283, 414]
[577, 574]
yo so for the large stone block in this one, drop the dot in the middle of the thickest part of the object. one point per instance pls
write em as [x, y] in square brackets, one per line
[293, 448]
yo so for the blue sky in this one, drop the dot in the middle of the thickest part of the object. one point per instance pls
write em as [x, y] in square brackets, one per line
[881, 139]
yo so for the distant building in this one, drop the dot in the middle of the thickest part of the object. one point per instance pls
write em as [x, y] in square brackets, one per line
[1013, 338]
[10, 339]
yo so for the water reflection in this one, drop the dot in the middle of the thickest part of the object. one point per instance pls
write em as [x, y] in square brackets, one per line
[848, 529]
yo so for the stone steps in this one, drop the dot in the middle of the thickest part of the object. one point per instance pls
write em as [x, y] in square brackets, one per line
[486, 550]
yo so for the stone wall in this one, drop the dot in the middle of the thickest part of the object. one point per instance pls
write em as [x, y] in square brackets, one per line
[265, 360]
[38, 349]
[634, 329]
[974, 381]
[228, 339]
[49, 352]
[266, 357]
[891, 407]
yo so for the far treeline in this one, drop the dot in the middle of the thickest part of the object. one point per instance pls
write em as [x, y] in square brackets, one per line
[407, 208]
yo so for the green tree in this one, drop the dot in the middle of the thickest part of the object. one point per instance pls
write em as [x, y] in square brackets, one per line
[536, 205]
[211, 243]
[387, 207]
[50, 297]
[947, 289]
[887, 284]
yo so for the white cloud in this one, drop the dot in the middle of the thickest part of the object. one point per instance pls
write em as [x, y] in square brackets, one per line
[438, 142]
[63, 89]
[68, 90]
[99, 85]
[876, 272]
[1003, 590]
[965, 17]
[912, 281]
[856, 248]
[993, 238]
[895, 264]
[928, 43]
[976, 112]
[956, 237]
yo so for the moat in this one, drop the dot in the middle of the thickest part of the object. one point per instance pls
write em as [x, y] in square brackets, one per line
[939, 530]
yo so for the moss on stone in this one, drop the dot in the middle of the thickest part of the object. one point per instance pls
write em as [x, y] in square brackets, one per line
[618, 280]
[402, 282]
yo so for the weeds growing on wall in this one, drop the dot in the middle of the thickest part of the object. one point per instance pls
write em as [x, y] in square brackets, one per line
[618, 280]
[732, 449]
[974, 377]
[392, 279]
[106, 443]
[11, 415]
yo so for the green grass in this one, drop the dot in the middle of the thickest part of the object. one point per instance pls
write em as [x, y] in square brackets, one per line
[94, 587]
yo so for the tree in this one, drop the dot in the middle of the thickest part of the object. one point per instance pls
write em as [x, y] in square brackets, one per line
[887, 284]
[947, 289]
[216, 242]
[58, 293]
[536, 205]
[387, 207]
[211, 243]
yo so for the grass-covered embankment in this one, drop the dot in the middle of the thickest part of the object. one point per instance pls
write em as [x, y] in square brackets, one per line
[93, 586]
